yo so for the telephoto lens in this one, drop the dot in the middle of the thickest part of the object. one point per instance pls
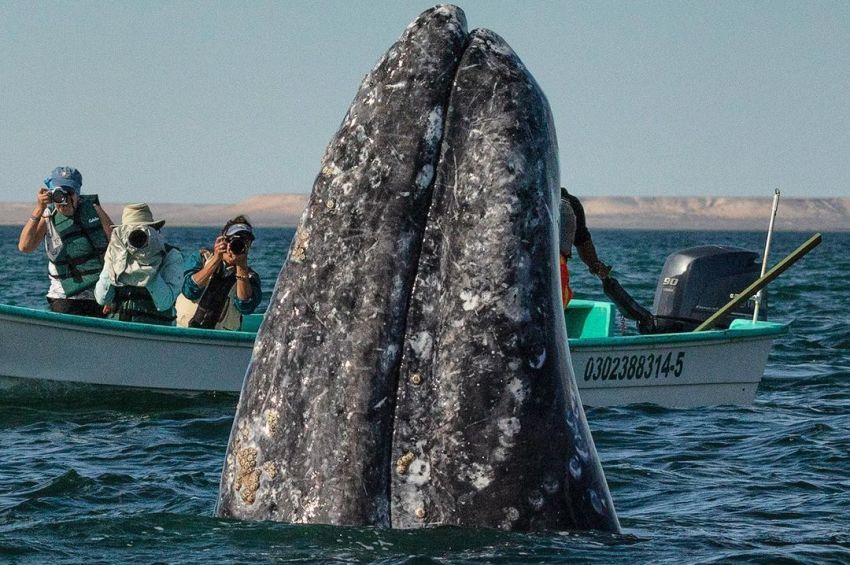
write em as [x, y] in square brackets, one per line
[58, 196]
[138, 238]
[237, 245]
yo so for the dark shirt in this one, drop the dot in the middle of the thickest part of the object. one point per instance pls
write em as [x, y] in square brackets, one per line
[192, 291]
[582, 233]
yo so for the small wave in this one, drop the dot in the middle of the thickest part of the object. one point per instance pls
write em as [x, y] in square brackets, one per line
[65, 484]
[68, 484]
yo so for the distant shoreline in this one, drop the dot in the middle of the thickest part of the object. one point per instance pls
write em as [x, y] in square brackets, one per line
[614, 212]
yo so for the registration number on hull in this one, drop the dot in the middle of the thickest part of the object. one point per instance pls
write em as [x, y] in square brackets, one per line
[631, 367]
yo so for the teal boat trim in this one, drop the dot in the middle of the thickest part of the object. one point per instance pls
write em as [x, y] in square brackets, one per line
[129, 327]
[740, 330]
[592, 321]
[593, 324]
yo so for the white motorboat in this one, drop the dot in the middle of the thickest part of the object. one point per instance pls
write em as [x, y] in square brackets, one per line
[671, 369]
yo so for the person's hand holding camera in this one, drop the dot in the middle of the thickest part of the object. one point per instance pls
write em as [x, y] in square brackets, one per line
[43, 198]
[219, 250]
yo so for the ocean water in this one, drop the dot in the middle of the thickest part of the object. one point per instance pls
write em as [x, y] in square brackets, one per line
[105, 476]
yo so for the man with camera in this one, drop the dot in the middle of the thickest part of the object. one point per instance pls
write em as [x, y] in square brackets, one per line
[142, 273]
[218, 286]
[75, 231]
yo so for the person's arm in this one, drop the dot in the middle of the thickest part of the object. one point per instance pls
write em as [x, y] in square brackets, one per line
[247, 305]
[36, 225]
[104, 292]
[165, 286]
[244, 291]
[584, 243]
[105, 220]
[202, 277]
[587, 252]
[193, 264]
[582, 234]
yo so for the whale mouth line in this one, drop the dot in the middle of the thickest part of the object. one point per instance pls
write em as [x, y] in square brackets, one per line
[412, 368]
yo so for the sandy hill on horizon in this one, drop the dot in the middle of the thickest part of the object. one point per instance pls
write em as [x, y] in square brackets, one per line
[606, 212]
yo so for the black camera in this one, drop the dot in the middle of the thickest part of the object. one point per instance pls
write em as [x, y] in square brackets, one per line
[138, 238]
[238, 244]
[58, 196]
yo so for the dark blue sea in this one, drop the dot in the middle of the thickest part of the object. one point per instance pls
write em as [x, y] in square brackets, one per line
[107, 476]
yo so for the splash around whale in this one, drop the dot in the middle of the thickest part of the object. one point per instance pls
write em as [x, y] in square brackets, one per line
[412, 369]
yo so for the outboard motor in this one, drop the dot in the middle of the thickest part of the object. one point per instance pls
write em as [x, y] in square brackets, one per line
[696, 282]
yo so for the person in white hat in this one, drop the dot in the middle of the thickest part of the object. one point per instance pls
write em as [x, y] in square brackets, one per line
[75, 231]
[142, 273]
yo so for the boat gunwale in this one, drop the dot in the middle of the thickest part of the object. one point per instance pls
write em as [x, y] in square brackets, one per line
[740, 330]
[117, 327]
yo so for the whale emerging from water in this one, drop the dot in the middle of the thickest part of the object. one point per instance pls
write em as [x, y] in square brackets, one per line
[412, 368]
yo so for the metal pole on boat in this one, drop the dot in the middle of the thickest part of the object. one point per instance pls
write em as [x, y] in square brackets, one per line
[766, 251]
[761, 282]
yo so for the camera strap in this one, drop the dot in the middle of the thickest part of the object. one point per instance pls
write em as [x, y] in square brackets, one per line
[214, 299]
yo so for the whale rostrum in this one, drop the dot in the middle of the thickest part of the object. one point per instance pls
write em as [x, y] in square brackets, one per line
[412, 368]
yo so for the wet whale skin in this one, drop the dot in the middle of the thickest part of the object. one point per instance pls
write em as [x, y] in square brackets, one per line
[412, 369]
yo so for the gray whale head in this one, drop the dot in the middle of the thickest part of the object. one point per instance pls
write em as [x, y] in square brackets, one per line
[412, 368]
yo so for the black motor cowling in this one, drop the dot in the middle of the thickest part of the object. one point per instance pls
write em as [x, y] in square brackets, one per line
[696, 282]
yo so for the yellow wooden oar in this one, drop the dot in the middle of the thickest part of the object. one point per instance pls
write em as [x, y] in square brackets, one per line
[762, 281]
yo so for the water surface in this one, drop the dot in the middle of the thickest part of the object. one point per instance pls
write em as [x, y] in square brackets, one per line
[93, 475]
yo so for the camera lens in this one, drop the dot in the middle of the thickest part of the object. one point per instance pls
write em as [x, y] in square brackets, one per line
[237, 245]
[138, 238]
[59, 196]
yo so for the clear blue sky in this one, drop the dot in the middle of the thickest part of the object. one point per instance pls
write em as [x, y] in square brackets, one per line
[186, 101]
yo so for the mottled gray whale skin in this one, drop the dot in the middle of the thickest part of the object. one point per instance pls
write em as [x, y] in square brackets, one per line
[412, 368]
[489, 429]
[311, 438]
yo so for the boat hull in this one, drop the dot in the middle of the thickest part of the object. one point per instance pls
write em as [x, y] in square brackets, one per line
[675, 373]
[675, 370]
[66, 348]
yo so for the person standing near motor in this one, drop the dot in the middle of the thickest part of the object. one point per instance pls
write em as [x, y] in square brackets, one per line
[219, 287]
[574, 232]
[76, 231]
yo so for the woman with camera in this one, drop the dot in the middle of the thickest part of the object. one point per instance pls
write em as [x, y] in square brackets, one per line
[142, 273]
[75, 231]
[218, 286]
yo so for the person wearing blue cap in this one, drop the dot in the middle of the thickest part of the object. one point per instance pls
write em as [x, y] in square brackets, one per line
[76, 231]
[218, 286]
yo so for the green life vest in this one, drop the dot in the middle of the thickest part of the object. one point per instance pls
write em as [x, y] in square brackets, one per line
[83, 244]
[135, 304]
